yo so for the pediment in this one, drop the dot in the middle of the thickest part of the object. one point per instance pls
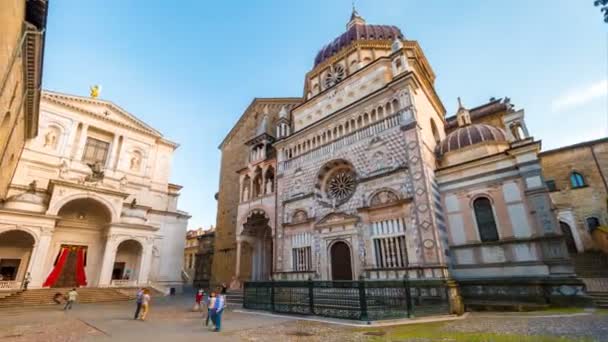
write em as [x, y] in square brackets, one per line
[337, 219]
[101, 109]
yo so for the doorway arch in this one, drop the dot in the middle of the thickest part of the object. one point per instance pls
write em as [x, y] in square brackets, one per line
[568, 237]
[127, 261]
[16, 247]
[341, 263]
[78, 243]
[257, 235]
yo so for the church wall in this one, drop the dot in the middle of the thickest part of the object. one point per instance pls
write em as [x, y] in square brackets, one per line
[235, 156]
[579, 203]
[170, 242]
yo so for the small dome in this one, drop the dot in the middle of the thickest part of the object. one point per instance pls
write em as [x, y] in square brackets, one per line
[470, 135]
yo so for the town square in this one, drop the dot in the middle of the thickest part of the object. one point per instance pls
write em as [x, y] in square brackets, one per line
[321, 171]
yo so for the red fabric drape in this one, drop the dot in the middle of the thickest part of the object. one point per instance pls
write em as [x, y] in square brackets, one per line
[81, 277]
[52, 278]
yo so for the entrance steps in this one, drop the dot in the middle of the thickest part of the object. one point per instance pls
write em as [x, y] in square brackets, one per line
[35, 297]
[234, 298]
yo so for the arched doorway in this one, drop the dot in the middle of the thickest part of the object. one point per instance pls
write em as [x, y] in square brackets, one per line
[16, 248]
[341, 267]
[127, 261]
[568, 237]
[258, 236]
[78, 244]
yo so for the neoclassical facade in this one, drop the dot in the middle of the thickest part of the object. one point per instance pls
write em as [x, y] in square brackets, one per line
[91, 203]
[365, 176]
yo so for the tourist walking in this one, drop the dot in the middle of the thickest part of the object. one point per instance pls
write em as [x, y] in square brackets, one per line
[224, 288]
[198, 299]
[145, 304]
[218, 310]
[71, 298]
[210, 302]
[139, 298]
[26, 281]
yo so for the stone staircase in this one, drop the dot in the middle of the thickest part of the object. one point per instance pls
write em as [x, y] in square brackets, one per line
[592, 268]
[33, 297]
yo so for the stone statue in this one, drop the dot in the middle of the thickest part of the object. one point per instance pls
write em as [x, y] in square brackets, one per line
[268, 186]
[246, 193]
[96, 173]
[63, 169]
[31, 188]
[123, 182]
[50, 139]
[135, 162]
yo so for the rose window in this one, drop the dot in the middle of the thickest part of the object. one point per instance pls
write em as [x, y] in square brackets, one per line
[334, 76]
[341, 186]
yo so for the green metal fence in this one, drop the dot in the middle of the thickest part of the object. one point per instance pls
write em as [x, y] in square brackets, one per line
[357, 300]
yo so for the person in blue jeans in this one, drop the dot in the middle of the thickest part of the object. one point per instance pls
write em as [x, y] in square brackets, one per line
[218, 310]
[139, 297]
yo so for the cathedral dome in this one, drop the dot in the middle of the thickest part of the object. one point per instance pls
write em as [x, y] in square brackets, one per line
[471, 135]
[356, 30]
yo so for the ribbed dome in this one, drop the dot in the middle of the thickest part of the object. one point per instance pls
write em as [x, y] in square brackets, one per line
[356, 32]
[470, 135]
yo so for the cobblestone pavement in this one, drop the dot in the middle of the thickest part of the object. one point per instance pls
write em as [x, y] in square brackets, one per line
[594, 326]
[171, 320]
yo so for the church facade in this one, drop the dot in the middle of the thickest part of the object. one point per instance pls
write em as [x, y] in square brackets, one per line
[366, 177]
[91, 203]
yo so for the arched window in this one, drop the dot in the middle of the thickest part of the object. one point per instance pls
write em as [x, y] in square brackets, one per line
[592, 223]
[577, 180]
[485, 219]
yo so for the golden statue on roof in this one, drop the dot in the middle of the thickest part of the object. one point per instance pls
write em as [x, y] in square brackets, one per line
[95, 90]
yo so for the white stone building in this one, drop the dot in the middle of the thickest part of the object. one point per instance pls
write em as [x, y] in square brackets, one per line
[92, 193]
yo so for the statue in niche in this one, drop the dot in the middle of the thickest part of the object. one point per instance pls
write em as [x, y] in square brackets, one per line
[63, 169]
[378, 160]
[50, 139]
[269, 186]
[246, 193]
[135, 162]
[258, 186]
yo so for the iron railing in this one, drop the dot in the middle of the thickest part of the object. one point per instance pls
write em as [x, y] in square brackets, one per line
[357, 300]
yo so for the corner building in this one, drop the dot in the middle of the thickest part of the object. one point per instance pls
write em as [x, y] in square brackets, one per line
[366, 177]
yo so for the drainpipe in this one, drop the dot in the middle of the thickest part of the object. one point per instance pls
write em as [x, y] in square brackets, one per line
[599, 168]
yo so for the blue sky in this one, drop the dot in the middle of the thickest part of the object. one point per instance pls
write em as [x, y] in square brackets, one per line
[191, 70]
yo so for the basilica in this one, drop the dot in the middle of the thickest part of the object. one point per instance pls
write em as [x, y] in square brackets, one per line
[368, 176]
[91, 203]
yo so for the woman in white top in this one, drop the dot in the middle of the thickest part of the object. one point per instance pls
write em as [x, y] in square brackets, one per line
[145, 304]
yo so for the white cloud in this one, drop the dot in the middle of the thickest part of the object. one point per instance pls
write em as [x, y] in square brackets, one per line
[580, 96]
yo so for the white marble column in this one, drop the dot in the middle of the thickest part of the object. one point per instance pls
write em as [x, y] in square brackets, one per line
[82, 142]
[238, 259]
[113, 152]
[38, 258]
[109, 255]
[146, 261]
